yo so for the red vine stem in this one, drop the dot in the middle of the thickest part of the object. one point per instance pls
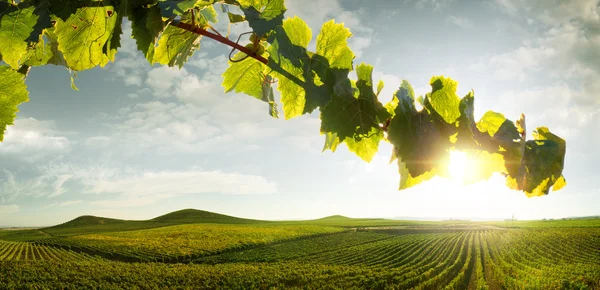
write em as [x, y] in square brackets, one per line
[220, 39]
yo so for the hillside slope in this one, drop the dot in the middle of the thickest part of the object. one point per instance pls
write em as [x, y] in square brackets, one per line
[92, 224]
[193, 216]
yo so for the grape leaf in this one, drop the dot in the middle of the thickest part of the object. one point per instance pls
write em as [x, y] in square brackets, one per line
[466, 122]
[366, 148]
[114, 41]
[267, 9]
[408, 180]
[331, 142]
[332, 44]
[45, 51]
[268, 97]
[21, 19]
[380, 86]
[209, 14]
[82, 36]
[63, 9]
[407, 94]
[543, 162]
[351, 116]
[176, 45]
[420, 139]
[263, 16]
[13, 92]
[146, 25]
[443, 99]
[57, 56]
[172, 8]
[288, 54]
[235, 18]
[501, 135]
[246, 76]
[39, 54]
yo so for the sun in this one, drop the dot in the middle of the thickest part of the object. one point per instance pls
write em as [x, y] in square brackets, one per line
[461, 166]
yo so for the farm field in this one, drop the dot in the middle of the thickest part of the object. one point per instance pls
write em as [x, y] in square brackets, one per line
[212, 254]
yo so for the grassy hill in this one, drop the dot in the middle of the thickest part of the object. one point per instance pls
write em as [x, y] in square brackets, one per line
[193, 216]
[92, 224]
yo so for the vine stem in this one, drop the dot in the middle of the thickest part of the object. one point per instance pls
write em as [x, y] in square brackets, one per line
[220, 39]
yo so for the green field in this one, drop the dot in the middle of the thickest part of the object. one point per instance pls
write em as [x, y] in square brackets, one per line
[201, 250]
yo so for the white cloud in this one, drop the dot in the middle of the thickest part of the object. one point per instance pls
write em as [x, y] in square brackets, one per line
[554, 12]
[36, 139]
[435, 4]
[568, 50]
[64, 203]
[9, 209]
[46, 184]
[132, 184]
[168, 183]
[460, 21]
[97, 142]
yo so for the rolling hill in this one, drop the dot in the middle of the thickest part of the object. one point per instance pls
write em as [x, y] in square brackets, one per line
[92, 224]
[193, 216]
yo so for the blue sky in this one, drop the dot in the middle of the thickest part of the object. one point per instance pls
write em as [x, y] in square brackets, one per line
[137, 141]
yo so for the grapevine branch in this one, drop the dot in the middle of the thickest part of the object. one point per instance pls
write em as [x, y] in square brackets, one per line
[221, 39]
[227, 41]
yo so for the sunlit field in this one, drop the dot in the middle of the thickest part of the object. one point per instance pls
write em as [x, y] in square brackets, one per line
[334, 252]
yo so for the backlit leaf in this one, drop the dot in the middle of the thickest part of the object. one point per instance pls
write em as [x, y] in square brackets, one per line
[13, 92]
[82, 36]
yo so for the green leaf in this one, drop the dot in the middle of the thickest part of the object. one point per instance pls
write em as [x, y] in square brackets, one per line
[246, 76]
[45, 51]
[467, 127]
[366, 148]
[403, 100]
[17, 26]
[543, 164]
[63, 9]
[420, 139]
[13, 93]
[57, 56]
[82, 36]
[176, 45]
[268, 96]
[501, 135]
[332, 44]
[331, 142]
[491, 122]
[209, 14]
[263, 16]
[407, 94]
[408, 180]
[443, 99]
[235, 18]
[267, 9]
[146, 25]
[380, 86]
[172, 8]
[73, 77]
[114, 41]
[39, 54]
[352, 116]
[288, 54]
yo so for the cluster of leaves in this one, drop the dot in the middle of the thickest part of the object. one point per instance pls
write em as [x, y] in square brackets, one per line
[84, 34]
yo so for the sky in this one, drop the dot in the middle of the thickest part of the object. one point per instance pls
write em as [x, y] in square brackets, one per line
[138, 141]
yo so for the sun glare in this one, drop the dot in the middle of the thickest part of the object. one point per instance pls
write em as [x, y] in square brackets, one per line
[460, 166]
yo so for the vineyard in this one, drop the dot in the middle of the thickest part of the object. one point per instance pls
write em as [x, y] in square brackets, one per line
[307, 254]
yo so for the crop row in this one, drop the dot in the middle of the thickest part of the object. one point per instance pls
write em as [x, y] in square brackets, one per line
[23, 251]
